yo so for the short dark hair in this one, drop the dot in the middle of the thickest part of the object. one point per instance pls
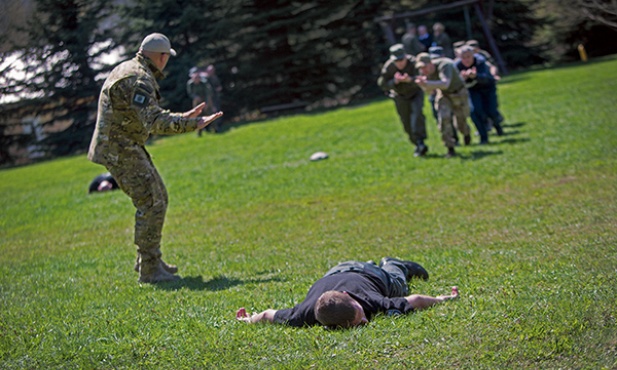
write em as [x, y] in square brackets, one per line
[335, 309]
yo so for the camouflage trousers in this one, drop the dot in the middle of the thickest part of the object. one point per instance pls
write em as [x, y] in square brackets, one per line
[139, 179]
[451, 106]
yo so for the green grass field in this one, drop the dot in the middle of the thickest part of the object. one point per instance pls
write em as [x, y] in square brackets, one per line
[526, 227]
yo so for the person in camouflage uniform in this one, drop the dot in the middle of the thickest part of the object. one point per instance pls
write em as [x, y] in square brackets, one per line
[200, 90]
[397, 79]
[452, 99]
[128, 113]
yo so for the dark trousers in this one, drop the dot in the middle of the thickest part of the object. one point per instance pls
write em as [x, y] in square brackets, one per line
[392, 274]
[410, 112]
[484, 106]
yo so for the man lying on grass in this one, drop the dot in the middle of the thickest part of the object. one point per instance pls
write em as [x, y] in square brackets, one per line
[351, 293]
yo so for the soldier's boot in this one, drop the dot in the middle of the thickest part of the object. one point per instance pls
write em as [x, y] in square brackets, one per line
[152, 272]
[172, 269]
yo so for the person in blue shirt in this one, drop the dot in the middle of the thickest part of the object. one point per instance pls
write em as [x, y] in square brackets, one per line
[482, 88]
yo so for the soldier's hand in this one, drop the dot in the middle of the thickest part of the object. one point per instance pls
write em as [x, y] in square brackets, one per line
[205, 121]
[195, 112]
[420, 80]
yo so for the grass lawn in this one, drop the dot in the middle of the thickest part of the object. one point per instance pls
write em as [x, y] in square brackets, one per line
[526, 227]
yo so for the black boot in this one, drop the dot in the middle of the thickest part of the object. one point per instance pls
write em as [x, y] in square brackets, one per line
[414, 270]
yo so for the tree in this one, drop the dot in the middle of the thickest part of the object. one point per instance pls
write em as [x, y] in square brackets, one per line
[602, 11]
[267, 52]
[566, 26]
[58, 61]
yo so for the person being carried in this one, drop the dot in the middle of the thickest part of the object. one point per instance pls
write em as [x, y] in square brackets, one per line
[352, 293]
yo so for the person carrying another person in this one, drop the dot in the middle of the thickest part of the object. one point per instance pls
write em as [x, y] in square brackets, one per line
[482, 91]
[352, 293]
[452, 99]
[397, 79]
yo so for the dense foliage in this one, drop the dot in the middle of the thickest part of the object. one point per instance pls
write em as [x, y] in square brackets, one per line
[267, 52]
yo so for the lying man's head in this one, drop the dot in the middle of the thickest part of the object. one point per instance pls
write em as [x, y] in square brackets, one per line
[339, 310]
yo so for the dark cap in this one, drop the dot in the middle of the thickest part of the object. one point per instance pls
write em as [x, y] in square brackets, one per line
[422, 59]
[458, 44]
[473, 43]
[397, 52]
[436, 51]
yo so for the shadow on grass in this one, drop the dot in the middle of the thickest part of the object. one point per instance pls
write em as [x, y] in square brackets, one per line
[479, 154]
[217, 283]
[513, 125]
[512, 141]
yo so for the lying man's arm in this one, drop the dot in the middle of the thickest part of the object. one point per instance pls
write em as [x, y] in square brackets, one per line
[267, 315]
[420, 302]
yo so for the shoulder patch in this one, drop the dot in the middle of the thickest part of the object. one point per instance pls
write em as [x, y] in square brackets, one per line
[140, 98]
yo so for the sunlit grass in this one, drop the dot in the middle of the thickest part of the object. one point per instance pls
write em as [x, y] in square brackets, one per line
[525, 227]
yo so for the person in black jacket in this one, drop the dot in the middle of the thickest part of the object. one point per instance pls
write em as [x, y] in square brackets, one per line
[103, 182]
[351, 293]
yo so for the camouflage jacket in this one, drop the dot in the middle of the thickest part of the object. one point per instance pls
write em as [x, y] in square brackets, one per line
[404, 89]
[129, 112]
[446, 71]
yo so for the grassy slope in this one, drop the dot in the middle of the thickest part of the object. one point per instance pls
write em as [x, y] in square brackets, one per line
[525, 227]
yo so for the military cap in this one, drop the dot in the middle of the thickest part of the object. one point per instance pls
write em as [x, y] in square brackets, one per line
[473, 43]
[157, 42]
[422, 60]
[397, 52]
[458, 44]
[436, 51]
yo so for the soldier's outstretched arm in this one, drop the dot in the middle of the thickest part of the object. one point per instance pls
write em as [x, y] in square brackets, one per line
[195, 112]
[205, 121]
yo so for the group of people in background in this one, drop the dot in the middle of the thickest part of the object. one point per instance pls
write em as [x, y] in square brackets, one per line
[204, 86]
[459, 79]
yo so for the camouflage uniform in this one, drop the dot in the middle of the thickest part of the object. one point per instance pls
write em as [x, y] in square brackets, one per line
[128, 113]
[203, 92]
[408, 98]
[450, 102]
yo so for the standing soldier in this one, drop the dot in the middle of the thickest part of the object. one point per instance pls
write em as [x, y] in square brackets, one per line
[397, 79]
[128, 113]
[200, 91]
[217, 90]
[452, 98]
[410, 41]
